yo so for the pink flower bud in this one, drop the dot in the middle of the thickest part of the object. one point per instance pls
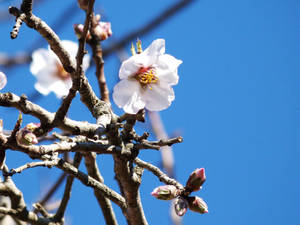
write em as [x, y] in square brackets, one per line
[196, 180]
[166, 192]
[78, 28]
[3, 80]
[103, 30]
[197, 204]
[180, 206]
[26, 136]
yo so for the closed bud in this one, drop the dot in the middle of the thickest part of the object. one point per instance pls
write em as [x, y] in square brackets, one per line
[166, 192]
[180, 206]
[196, 180]
[26, 136]
[78, 28]
[103, 30]
[197, 204]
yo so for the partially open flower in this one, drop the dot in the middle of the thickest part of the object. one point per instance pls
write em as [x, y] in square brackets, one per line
[147, 79]
[166, 192]
[180, 206]
[103, 30]
[3, 80]
[26, 136]
[48, 70]
[196, 179]
[197, 204]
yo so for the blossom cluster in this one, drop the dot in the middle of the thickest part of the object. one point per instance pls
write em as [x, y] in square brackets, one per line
[183, 201]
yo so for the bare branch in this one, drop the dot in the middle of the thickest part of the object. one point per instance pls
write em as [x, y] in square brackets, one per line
[106, 207]
[67, 193]
[91, 182]
[20, 169]
[27, 107]
[157, 172]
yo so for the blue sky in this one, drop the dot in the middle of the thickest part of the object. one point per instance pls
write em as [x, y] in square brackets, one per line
[237, 107]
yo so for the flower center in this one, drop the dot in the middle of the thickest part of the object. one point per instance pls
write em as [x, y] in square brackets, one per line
[146, 76]
[61, 73]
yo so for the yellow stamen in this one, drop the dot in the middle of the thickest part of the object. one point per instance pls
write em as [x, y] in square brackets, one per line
[61, 73]
[132, 49]
[139, 46]
[147, 77]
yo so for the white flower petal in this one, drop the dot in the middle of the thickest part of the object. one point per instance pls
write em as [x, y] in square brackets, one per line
[127, 95]
[42, 59]
[61, 88]
[42, 89]
[47, 76]
[157, 47]
[166, 69]
[86, 62]
[159, 97]
[152, 53]
[131, 66]
[3, 80]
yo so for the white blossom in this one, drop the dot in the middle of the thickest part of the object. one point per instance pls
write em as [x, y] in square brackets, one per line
[3, 80]
[147, 79]
[49, 72]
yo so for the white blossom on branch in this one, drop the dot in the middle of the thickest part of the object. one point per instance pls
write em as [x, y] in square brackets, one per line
[49, 71]
[147, 79]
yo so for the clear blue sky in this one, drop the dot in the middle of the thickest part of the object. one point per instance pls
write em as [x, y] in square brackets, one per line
[237, 107]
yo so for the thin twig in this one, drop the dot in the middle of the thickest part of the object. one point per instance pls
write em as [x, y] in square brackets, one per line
[67, 193]
[20, 169]
[157, 172]
[104, 203]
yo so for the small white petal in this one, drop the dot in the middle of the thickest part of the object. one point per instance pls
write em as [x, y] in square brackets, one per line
[42, 89]
[127, 95]
[61, 88]
[159, 97]
[3, 80]
[157, 47]
[42, 59]
[86, 62]
[131, 66]
[152, 53]
[166, 69]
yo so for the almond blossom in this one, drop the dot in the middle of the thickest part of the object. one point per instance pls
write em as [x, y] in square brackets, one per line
[48, 70]
[147, 79]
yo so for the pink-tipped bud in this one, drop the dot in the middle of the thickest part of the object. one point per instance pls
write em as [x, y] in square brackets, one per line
[3, 80]
[180, 206]
[197, 204]
[78, 28]
[196, 180]
[26, 136]
[103, 30]
[166, 192]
